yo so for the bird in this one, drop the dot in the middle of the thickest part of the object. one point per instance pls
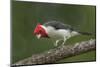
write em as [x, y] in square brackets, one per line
[56, 30]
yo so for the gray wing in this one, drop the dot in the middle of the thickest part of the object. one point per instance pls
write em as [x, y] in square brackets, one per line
[58, 25]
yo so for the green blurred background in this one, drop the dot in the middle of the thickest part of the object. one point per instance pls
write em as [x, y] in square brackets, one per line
[26, 15]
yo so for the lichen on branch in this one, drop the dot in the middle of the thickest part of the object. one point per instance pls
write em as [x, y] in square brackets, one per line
[58, 53]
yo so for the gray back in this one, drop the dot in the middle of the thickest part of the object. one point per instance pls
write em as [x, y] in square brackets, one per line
[58, 25]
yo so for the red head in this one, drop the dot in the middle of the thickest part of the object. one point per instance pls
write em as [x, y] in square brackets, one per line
[40, 31]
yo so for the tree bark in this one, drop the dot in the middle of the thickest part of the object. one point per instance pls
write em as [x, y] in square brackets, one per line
[58, 53]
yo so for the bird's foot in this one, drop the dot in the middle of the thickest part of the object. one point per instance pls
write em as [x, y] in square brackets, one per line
[63, 44]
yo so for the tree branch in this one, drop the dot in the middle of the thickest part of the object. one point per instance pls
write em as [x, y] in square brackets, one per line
[59, 53]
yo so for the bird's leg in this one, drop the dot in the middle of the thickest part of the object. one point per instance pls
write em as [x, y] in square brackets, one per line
[56, 43]
[64, 40]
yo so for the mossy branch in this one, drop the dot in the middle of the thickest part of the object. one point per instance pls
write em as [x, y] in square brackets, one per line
[58, 53]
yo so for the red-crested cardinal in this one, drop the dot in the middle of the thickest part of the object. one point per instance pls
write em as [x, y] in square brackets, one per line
[56, 30]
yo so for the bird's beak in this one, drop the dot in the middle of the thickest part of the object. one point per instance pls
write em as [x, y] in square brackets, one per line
[38, 36]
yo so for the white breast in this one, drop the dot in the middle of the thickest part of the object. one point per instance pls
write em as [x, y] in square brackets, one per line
[57, 34]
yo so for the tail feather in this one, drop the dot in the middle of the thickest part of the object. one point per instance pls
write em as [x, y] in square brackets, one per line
[86, 33]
